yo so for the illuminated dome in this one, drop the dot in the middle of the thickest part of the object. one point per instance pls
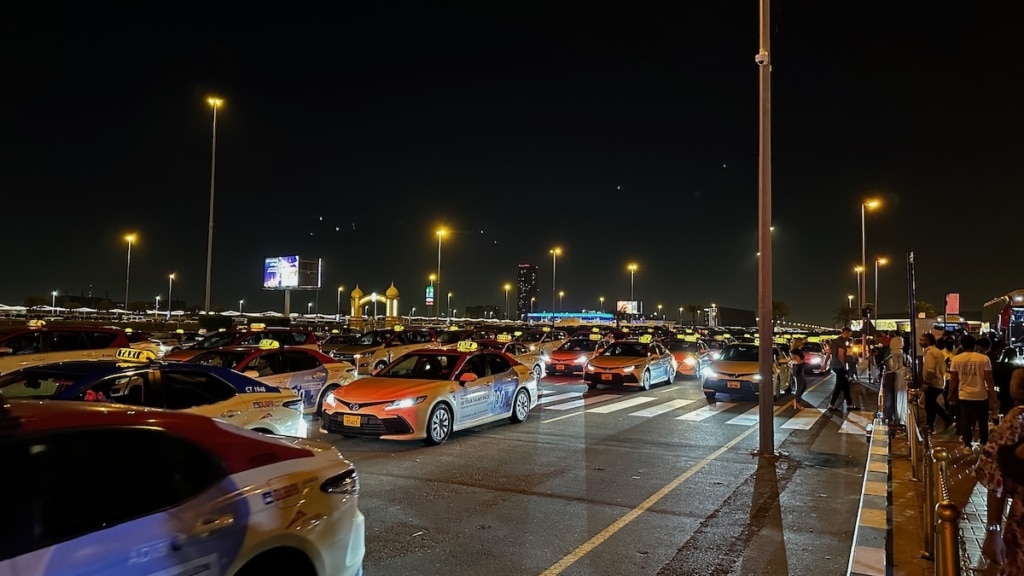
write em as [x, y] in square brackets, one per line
[357, 293]
[391, 292]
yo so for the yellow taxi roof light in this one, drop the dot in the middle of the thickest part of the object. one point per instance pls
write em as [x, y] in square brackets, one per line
[467, 346]
[268, 344]
[398, 327]
[257, 326]
[646, 339]
[504, 337]
[133, 356]
[595, 336]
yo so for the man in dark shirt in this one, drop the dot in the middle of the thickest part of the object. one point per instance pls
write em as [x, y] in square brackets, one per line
[839, 348]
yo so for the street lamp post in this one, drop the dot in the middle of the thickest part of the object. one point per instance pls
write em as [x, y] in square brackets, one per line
[882, 262]
[214, 103]
[240, 302]
[849, 300]
[170, 286]
[437, 285]
[532, 299]
[309, 308]
[632, 270]
[433, 298]
[561, 293]
[864, 206]
[157, 306]
[128, 269]
[680, 314]
[507, 288]
[601, 299]
[554, 256]
[373, 296]
[860, 292]
[53, 303]
[449, 306]
[659, 312]
[337, 315]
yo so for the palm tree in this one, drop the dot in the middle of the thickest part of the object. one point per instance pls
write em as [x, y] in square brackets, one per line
[845, 315]
[779, 310]
[694, 310]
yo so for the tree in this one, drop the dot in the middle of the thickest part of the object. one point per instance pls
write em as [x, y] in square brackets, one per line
[929, 309]
[779, 310]
[694, 310]
[845, 315]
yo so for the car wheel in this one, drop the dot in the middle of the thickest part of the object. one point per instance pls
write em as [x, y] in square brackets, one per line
[671, 376]
[379, 365]
[592, 385]
[520, 407]
[439, 425]
[329, 389]
[645, 380]
[710, 397]
[538, 372]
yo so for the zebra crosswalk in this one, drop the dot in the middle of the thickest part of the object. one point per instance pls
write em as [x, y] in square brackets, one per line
[650, 406]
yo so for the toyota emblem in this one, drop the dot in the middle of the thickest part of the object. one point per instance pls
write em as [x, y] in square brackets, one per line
[355, 407]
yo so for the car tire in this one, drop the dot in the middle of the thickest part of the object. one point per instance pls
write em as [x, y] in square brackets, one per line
[671, 377]
[379, 365]
[645, 380]
[323, 396]
[520, 407]
[591, 385]
[710, 396]
[279, 561]
[538, 372]
[439, 425]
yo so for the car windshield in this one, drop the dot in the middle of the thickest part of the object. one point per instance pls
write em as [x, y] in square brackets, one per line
[452, 336]
[36, 384]
[216, 340]
[532, 336]
[632, 349]
[811, 347]
[226, 358]
[739, 353]
[579, 344]
[422, 367]
[682, 346]
[375, 338]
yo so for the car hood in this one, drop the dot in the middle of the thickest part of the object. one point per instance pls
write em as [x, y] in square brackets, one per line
[568, 354]
[734, 367]
[617, 361]
[376, 389]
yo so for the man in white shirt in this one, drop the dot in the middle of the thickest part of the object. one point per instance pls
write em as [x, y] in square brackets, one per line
[970, 380]
[933, 381]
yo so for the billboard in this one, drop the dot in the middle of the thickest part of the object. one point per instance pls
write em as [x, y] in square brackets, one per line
[626, 307]
[430, 295]
[290, 273]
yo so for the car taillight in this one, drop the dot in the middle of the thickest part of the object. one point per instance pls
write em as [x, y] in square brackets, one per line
[346, 483]
[294, 404]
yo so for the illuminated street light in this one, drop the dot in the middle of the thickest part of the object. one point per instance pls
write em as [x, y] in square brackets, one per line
[53, 302]
[433, 297]
[561, 293]
[240, 302]
[601, 299]
[532, 299]
[437, 286]
[680, 314]
[882, 262]
[170, 286]
[128, 269]
[849, 300]
[449, 304]
[659, 312]
[157, 303]
[860, 293]
[309, 307]
[214, 103]
[507, 288]
[862, 284]
[632, 270]
[555, 252]
[337, 315]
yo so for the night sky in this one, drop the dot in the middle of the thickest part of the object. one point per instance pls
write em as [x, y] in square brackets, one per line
[624, 135]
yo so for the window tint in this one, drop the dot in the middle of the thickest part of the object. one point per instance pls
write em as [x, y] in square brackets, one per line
[48, 510]
[498, 364]
[254, 339]
[65, 340]
[101, 339]
[266, 364]
[298, 361]
[133, 388]
[24, 343]
[34, 383]
[299, 337]
[476, 364]
[189, 389]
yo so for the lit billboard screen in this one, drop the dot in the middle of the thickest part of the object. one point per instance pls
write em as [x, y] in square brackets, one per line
[290, 272]
[626, 306]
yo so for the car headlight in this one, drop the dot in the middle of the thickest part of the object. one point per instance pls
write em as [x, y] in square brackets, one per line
[590, 367]
[582, 359]
[815, 361]
[689, 361]
[405, 403]
[330, 400]
[545, 358]
[533, 347]
[756, 377]
[629, 369]
[709, 373]
[716, 355]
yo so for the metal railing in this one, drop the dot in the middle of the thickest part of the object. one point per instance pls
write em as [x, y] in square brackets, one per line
[943, 541]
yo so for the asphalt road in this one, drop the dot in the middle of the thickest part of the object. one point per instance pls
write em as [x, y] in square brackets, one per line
[620, 481]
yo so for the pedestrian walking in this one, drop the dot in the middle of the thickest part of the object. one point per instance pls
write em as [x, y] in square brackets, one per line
[933, 381]
[970, 384]
[839, 348]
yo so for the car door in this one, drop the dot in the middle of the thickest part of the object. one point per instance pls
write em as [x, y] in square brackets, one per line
[473, 397]
[307, 376]
[26, 349]
[203, 393]
[274, 372]
[168, 508]
[503, 390]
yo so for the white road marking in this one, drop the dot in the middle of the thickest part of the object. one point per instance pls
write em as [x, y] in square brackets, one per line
[706, 412]
[583, 402]
[627, 403]
[662, 408]
[748, 418]
[804, 419]
[548, 399]
[856, 423]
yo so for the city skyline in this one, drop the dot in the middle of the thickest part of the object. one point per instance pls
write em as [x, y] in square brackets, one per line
[620, 139]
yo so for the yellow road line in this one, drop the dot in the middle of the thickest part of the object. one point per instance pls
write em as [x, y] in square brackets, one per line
[653, 499]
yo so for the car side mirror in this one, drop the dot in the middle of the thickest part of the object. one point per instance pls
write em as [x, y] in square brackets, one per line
[251, 374]
[468, 377]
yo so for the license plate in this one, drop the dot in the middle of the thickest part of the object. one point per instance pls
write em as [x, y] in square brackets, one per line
[559, 366]
[352, 421]
[606, 376]
[732, 384]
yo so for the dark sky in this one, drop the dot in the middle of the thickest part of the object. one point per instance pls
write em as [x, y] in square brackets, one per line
[620, 135]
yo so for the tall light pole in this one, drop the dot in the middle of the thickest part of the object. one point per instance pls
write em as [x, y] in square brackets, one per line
[309, 308]
[878, 261]
[601, 299]
[507, 288]
[766, 332]
[240, 302]
[53, 302]
[437, 285]
[214, 103]
[561, 293]
[373, 296]
[157, 305]
[337, 315]
[170, 286]
[555, 252]
[532, 300]
[849, 300]
[860, 291]
[632, 270]
[128, 269]
[449, 305]
[862, 285]
[680, 315]
[659, 312]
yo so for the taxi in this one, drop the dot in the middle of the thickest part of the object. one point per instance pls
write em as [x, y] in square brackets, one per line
[310, 374]
[251, 336]
[377, 348]
[691, 353]
[35, 343]
[639, 362]
[521, 352]
[169, 493]
[737, 372]
[542, 340]
[430, 393]
[451, 337]
[571, 356]
[137, 380]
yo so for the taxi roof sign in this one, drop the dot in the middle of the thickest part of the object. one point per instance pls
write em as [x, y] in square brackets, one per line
[646, 339]
[257, 326]
[595, 329]
[691, 338]
[398, 327]
[546, 329]
[681, 336]
[453, 328]
[504, 337]
[269, 344]
[179, 331]
[595, 336]
[517, 333]
[36, 323]
[467, 346]
[133, 356]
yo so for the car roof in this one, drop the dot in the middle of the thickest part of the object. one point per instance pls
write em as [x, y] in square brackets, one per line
[88, 371]
[238, 449]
